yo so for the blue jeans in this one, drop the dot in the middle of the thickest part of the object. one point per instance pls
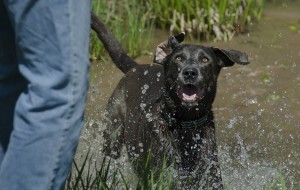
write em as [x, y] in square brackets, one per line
[44, 74]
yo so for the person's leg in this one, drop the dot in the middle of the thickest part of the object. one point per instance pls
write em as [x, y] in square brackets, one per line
[11, 81]
[52, 38]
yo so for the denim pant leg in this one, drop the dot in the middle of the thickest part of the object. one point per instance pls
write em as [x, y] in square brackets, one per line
[52, 38]
[11, 81]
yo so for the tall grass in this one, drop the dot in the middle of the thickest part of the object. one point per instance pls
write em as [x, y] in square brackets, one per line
[108, 177]
[87, 177]
[139, 26]
[132, 21]
[90, 176]
[128, 21]
[280, 184]
[205, 19]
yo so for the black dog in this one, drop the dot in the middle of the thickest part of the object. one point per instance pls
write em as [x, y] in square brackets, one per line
[165, 109]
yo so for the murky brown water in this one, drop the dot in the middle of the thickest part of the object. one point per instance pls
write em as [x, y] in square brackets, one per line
[256, 109]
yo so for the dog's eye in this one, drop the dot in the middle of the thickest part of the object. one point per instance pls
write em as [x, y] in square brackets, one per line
[204, 59]
[178, 58]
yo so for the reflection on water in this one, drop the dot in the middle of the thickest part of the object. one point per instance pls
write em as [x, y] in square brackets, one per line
[256, 108]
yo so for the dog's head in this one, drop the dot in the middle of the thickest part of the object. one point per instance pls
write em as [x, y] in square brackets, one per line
[191, 71]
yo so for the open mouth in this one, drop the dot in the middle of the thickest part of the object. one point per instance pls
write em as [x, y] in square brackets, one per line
[190, 93]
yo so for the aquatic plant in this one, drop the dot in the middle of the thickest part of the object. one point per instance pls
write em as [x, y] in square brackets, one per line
[280, 184]
[206, 19]
[89, 176]
[132, 21]
[128, 21]
[108, 177]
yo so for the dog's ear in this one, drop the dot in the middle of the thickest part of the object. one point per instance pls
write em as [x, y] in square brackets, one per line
[229, 57]
[166, 47]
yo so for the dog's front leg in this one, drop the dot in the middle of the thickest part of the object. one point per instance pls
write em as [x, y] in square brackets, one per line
[212, 174]
[114, 132]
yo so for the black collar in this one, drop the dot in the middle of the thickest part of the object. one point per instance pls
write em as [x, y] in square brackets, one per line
[169, 107]
[175, 123]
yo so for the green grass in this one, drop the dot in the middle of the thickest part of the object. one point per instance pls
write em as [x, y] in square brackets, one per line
[87, 177]
[133, 21]
[206, 19]
[105, 176]
[128, 21]
[281, 184]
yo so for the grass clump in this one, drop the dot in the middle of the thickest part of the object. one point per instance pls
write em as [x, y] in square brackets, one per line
[281, 183]
[158, 179]
[109, 177]
[87, 177]
[128, 21]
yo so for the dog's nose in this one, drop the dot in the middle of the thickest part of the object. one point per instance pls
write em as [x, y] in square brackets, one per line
[190, 73]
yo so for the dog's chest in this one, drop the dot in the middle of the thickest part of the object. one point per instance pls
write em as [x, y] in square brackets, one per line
[148, 128]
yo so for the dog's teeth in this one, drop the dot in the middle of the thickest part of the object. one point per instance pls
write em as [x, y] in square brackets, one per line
[189, 98]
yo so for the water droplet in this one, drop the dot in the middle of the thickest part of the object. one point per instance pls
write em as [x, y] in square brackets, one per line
[232, 122]
[146, 86]
[142, 105]
[252, 101]
[149, 117]
[91, 122]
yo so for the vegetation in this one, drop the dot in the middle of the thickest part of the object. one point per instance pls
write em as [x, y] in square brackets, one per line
[108, 177]
[207, 19]
[133, 21]
[128, 20]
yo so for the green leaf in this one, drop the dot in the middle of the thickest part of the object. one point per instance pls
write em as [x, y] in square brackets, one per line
[293, 27]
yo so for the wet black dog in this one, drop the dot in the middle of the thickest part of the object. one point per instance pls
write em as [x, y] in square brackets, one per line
[165, 109]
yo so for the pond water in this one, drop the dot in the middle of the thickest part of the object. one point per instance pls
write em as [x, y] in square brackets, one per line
[256, 108]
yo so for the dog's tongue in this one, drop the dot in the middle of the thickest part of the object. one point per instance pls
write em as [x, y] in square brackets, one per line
[186, 97]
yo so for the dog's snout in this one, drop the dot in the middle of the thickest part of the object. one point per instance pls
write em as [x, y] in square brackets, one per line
[190, 72]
